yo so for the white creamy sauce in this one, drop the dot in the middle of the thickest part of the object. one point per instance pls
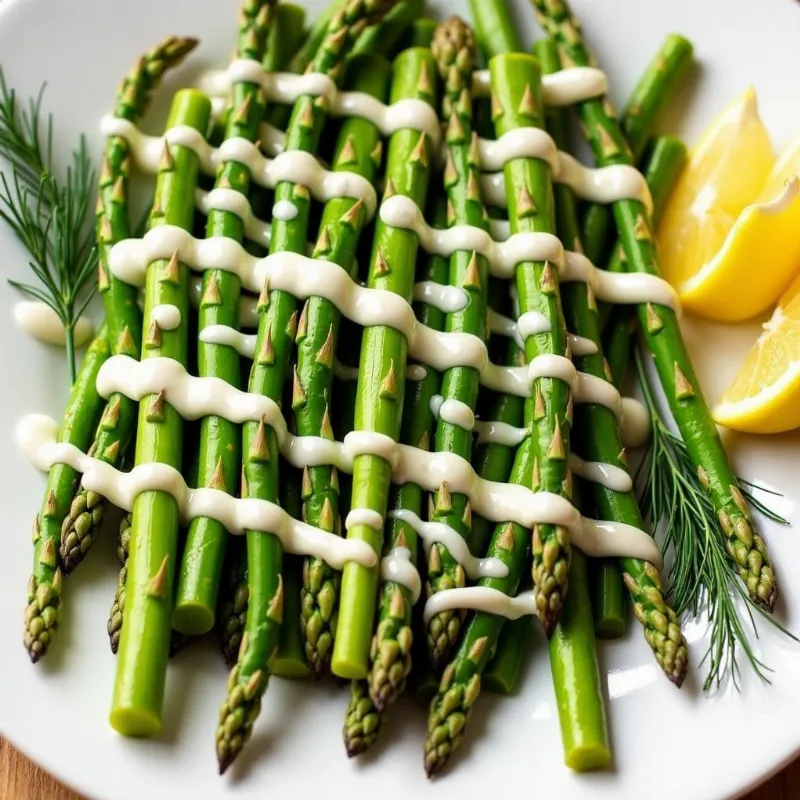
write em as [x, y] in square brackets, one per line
[636, 424]
[499, 433]
[433, 532]
[480, 598]
[453, 412]
[363, 516]
[167, 316]
[37, 437]
[38, 320]
[532, 323]
[255, 229]
[504, 326]
[284, 87]
[595, 184]
[564, 88]
[295, 166]
[446, 298]
[397, 567]
[284, 210]
[606, 475]
[580, 345]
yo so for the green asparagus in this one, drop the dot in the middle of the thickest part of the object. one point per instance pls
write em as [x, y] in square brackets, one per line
[144, 643]
[454, 50]
[494, 27]
[391, 651]
[44, 607]
[114, 436]
[381, 382]
[653, 91]
[276, 331]
[664, 163]
[517, 102]
[220, 439]
[662, 334]
[358, 150]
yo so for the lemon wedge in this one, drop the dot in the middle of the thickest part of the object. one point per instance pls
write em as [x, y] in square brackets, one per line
[728, 238]
[764, 397]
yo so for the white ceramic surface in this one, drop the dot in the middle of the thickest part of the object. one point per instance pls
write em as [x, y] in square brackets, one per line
[667, 743]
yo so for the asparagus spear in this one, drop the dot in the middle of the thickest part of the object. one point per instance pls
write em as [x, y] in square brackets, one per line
[115, 432]
[363, 722]
[144, 644]
[503, 671]
[381, 380]
[358, 150]
[232, 612]
[44, 606]
[666, 159]
[454, 50]
[576, 678]
[290, 659]
[654, 89]
[380, 38]
[391, 648]
[117, 612]
[177, 640]
[276, 330]
[460, 683]
[494, 27]
[516, 95]
[419, 34]
[663, 337]
[220, 455]
[597, 432]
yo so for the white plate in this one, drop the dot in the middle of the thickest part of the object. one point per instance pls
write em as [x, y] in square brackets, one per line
[667, 743]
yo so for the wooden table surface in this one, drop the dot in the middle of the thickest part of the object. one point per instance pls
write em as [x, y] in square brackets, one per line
[20, 779]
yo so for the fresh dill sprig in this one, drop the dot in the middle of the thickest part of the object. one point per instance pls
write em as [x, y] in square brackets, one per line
[50, 217]
[703, 576]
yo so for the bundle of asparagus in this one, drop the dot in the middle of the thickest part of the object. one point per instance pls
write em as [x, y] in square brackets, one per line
[506, 321]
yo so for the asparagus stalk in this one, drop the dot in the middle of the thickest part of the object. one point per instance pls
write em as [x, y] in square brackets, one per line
[290, 659]
[44, 606]
[232, 612]
[494, 27]
[516, 95]
[144, 643]
[460, 683]
[504, 670]
[363, 722]
[663, 337]
[380, 38]
[653, 91]
[454, 50]
[284, 35]
[381, 380]
[384, 37]
[115, 616]
[114, 435]
[391, 648]
[276, 330]
[666, 159]
[597, 432]
[358, 150]
[576, 678]
[573, 652]
[418, 34]
[177, 640]
[220, 439]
